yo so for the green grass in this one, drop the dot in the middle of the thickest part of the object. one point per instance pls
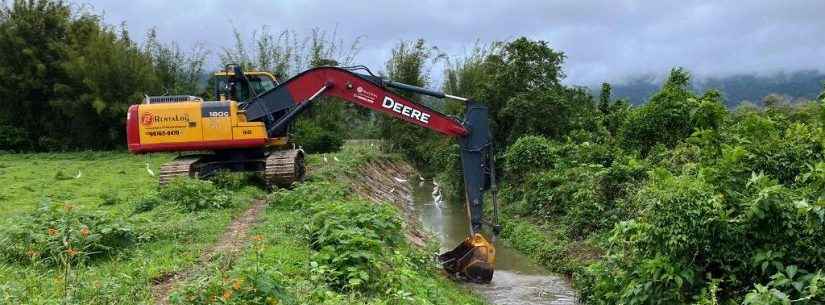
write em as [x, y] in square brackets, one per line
[28, 179]
[171, 239]
[546, 243]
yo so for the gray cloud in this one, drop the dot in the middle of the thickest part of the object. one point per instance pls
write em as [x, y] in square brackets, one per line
[603, 40]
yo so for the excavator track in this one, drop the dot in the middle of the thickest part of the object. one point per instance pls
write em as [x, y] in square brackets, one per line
[284, 167]
[180, 167]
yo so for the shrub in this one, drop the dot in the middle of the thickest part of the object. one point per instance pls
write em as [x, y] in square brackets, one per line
[232, 181]
[195, 194]
[529, 154]
[315, 139]
[654, 253]
[690, 241]
[242, 287]
[672, 115]
[306, 195]
[188, 194]
[57, 232]
[109, 198]
[586, 198]
[147, 202]
[574, 154]
[350, 238]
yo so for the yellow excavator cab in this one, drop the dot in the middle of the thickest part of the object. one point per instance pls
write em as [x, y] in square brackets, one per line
[259, 82]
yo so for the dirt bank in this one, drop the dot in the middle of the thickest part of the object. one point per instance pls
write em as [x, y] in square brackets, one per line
[386, 181]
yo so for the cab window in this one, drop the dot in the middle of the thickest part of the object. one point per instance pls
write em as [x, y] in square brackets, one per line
[261, 83]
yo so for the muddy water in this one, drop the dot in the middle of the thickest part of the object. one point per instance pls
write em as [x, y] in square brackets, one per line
[516, 280]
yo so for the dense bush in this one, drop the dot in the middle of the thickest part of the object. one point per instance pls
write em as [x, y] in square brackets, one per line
[246, 287]
[315, 139]
[688, 239]
[358, 247]
[58, 234]
[529, 154]
[349, 237]
[672, 115]
[692, 203]
[188, 194]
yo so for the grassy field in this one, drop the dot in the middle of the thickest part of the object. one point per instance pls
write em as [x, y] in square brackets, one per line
[280, 262]
[107, 184]
[28, 179]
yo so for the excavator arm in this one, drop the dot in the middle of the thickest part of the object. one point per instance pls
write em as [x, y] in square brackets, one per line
[474, 258]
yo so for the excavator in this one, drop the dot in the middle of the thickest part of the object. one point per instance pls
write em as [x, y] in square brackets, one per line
[246, 130]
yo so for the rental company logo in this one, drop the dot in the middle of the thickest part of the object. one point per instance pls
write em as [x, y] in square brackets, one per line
[147, 119]
[150, 119]
[364, 95]
[405, 110]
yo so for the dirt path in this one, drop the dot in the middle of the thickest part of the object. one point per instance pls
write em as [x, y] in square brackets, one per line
[229, 245]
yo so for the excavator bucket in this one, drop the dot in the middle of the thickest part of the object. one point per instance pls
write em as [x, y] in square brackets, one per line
[474, 259]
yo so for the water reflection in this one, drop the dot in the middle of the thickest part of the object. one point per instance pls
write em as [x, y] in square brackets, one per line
[517, 280]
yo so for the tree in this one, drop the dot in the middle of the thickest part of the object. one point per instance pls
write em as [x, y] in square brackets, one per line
[774, 101]
[32, 51]
[178, 72]
[408, 65]
[672, 115]
[604, 99]
[521, 68]
[67, 79]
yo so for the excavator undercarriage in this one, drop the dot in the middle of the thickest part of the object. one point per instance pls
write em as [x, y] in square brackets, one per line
[277, 168]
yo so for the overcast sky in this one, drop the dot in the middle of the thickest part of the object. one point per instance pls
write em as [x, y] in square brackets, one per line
[603, 40]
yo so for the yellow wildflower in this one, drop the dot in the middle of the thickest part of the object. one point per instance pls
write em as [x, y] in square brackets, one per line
[226, 295]
[32, 253]
[237, 284]
[71, 251]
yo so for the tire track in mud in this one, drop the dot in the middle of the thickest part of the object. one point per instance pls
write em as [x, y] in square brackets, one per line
[229, 245]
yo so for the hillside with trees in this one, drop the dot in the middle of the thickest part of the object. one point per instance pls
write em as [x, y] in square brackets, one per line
[795, 87]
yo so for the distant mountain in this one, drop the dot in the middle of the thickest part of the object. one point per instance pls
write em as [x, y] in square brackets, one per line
[735, 89]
